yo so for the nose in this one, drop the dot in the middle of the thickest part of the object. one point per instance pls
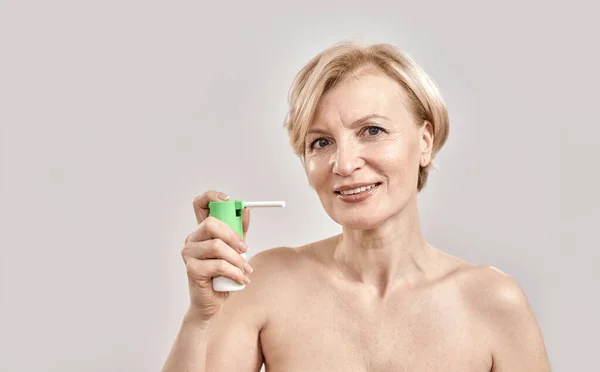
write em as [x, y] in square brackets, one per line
[346, 160]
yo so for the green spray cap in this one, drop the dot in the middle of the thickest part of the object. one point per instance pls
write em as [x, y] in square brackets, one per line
[230, 211]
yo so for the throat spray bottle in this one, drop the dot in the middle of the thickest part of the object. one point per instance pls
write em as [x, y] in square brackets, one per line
[230, 212]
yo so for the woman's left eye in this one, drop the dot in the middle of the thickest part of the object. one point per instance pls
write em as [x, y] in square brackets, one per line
[373, 131]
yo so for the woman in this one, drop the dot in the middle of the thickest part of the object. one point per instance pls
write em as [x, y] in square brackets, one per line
[367, 123]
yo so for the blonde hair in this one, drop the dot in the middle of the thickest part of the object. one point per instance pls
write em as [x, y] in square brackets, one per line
[328, 68]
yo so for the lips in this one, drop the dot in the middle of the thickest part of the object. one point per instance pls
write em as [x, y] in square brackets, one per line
[355, 188]
[352, 196]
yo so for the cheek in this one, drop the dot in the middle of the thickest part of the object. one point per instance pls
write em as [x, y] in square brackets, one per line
[398, 158]
[314, 168]
[394, 155]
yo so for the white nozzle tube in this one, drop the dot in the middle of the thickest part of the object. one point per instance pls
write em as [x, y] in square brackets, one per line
[264, 204]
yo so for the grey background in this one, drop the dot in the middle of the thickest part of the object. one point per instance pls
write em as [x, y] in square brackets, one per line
[115, 114]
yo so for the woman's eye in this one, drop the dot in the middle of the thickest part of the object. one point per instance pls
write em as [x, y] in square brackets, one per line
[373, 131]
[319, 143]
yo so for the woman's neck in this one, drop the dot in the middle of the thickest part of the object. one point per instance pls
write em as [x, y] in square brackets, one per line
[393, 254]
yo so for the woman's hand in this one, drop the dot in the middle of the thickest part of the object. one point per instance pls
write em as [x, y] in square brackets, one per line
[213, 249]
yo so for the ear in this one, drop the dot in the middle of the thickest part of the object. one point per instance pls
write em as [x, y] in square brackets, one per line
[426, 143]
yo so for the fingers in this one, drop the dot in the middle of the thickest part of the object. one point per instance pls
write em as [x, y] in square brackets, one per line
[213, 228]
[200, 203]
[215, 249]
[204, 270]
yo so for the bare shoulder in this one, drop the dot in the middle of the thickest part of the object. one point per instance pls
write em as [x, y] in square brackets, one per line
[272, 269]
[285, 261]
[275, 263]
[275, 269]
[237, 333]
[491, 291]
[500, 306]
[273, 258]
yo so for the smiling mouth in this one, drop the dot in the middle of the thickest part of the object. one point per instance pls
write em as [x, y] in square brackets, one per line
[358, 190]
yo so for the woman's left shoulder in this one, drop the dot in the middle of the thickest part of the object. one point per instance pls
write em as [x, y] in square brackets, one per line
[491, 293]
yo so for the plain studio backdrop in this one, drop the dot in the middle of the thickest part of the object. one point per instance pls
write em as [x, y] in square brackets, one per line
[116, 114]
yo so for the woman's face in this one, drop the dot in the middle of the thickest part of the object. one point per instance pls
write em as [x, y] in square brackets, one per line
[364, 136]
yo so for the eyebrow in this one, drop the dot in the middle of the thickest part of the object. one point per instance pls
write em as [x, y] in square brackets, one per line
[354, 124]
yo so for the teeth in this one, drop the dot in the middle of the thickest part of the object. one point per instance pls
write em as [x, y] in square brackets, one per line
[357, 190]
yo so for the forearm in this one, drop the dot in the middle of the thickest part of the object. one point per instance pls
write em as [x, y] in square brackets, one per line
[189, 350]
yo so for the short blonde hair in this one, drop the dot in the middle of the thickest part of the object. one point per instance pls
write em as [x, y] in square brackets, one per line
[328, 68]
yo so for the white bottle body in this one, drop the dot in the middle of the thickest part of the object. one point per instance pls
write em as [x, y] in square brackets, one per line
[224, 284]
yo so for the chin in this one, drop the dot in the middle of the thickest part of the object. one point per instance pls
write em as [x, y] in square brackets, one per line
[358, 221]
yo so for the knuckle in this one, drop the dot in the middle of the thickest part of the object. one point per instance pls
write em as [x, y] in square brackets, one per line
[185, 251]
[223, 266]
[201, 196]
[190, 268]
[214, 246]
[209, 223]
[196, 203]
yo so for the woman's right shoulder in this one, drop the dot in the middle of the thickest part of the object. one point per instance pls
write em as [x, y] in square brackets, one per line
[274, 259]
[283, 263]
[278, 258]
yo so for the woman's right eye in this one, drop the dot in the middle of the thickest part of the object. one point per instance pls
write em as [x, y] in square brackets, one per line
[320, 143]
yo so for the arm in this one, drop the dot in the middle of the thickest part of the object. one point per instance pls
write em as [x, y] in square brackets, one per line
[189, 350]
[234, 343]
[229, 341]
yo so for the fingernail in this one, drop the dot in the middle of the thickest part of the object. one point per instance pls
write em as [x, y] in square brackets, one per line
[243, 246]
[223, 196]
[246, 279]
[247, 268]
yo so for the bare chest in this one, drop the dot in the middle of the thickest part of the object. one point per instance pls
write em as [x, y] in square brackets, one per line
[327, 332]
